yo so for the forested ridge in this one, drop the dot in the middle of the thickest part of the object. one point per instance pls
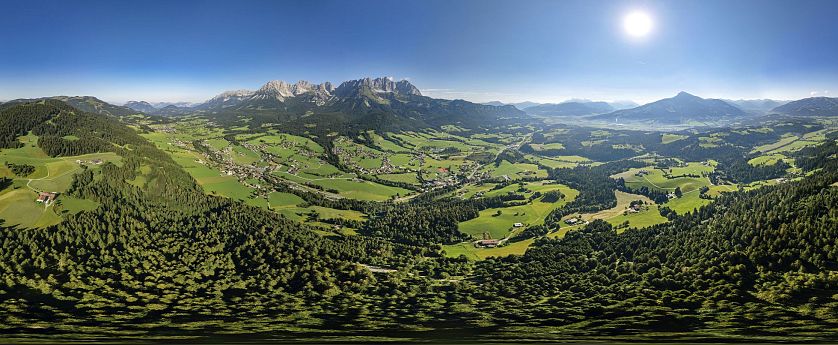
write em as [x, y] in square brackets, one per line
[167, 259]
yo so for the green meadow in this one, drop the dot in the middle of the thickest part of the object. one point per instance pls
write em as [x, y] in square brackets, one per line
[532, 213]
[51, 174]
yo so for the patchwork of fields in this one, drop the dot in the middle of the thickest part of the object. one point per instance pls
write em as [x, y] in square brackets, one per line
[689, 179]
[242, 163]
[51, 174]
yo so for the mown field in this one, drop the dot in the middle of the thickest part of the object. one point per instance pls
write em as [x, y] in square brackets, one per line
[532, 213]
[51, 174]
[657, 179]
[649, 214]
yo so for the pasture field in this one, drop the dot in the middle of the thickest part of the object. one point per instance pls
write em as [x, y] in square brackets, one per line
[657, 178]
[716, 190]
[550, 162]
[408, 177]
[288, 205]
[470, 190]
[668, 138]
[361, 189]
[544, 147]
[515, 171]
[18, 207]
[301, 214]
[786, 139]
[327, 213]
[790, 142]
[385, 144]
[687, 203]
[769, 159]
[648, 216]
[244, 156]
[472, 253]
[709, 142]
[509, 248]
[556, 162]
[532, 213]
[52, 174]
[279, 200]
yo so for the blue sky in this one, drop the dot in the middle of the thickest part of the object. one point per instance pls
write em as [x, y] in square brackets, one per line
[484, 50]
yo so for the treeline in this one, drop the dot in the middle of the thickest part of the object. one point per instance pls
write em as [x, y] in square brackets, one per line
[657, 195]
[424, 222]
[21, 170]
[5, 182]
[18, 120]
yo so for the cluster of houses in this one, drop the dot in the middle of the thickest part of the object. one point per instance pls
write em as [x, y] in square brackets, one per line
[634, 208]
[350, 154]
[46, 198]
[166, 129]
[488, 242]
[439, 183]
[91, 161]
[575, 221]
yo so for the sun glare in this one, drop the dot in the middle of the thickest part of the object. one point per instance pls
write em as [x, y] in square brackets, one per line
[637, 24]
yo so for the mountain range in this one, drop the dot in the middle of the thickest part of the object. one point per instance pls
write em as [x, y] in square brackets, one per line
[756, 106]
[519, 105]
[399, 104]
[682, 108]
[813, 106]
[357, 103]
[573, 108]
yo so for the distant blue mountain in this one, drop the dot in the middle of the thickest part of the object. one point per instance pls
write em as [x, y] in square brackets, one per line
[814, 106]
[574, 108]
[684, 107]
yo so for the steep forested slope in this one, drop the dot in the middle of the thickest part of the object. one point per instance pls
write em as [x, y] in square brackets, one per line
[760, 263]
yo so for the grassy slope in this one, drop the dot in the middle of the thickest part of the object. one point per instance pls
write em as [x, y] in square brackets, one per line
[52, 174]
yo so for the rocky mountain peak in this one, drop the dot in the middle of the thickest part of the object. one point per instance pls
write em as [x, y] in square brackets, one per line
[281, 90]
[377, 85]
[234, 93]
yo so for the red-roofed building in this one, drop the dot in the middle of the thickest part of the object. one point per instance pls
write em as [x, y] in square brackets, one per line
[46, 197]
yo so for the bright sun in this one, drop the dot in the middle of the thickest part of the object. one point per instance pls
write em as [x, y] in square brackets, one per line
[637, 24]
